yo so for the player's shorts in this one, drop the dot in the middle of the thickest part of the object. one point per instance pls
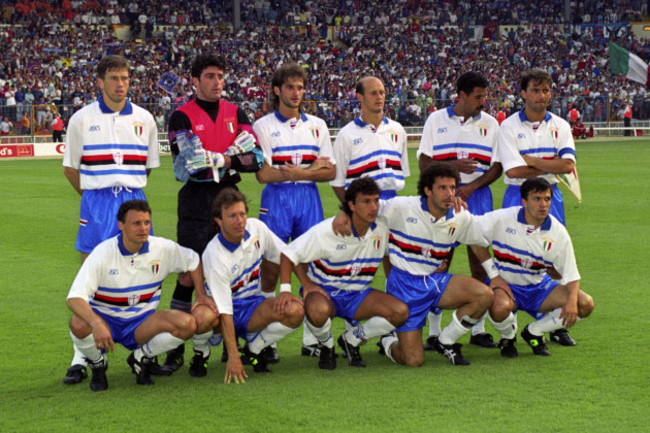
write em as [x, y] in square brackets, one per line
[123, 330]
[530, 298]
[98, 214]
[243, 309]
[420, 293]
[512, 197]
[290, 209]
[347, 302]
[194, 228]
[480, 202]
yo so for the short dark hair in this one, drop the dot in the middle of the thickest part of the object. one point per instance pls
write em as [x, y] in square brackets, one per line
[434, 171]
[534, 184]
[226, 198]
[204, 61]
[535, 76]
[290, 70]
[137, 205]
[363, 185]
[469, 80]
[109, 63]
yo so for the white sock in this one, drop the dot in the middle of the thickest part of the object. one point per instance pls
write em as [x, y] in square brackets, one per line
[78, 357]
[201, 342]
[435, 321]
[507, 327]
[323, 333]
[374, 327]
[548, 323]
[160, 343]
[87, 347]
[275, 331]
[387, 342]
[308, 338]
[453, 331]
[348, 325]
[479, 328]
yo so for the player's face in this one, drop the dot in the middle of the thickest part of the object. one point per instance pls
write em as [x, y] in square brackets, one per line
[373, 97]
[114, 86]
[291, 93]
[537, 96]
[233, 222]
[537, 206]
[440, 197]
[210, 84]
[365, 208]
[473, 103]
[135, 229]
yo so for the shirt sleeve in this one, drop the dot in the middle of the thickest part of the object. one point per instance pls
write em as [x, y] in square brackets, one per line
[405, 153]
[153, 153]
[507, 150]
[307, 247]
[86, 283]
[73, 143]
[426, 142]
[216, 272]
[341, 151]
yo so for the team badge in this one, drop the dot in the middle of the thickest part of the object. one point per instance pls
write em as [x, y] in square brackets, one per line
[231, 127]
[138, 128]
[155, 267]
[376, 242]
[315, 132]
[462, 154]
[296, 158]
[452, 229]
[548, 243]
[118, 158]
[133, 300]
[554, 133]
[381, 162]
[526, 263]
[256, 242]
[482, 131]
[394, 137]
[354, 271]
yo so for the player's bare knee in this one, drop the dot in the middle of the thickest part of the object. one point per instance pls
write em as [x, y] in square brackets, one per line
[79, 327]
[185, 327]
[414, 359]
[399, 314]
[585, 305]
[501, 306]
[294, 315]
[486, 296]
[205, 320]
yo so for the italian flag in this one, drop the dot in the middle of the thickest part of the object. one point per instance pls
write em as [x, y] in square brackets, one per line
[622, 62]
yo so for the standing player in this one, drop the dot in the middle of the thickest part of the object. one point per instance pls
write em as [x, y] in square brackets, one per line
[217, 123]
[526, 242]
[535, 142]
[111, 147]
[231, 263]
[466, 137]
[339, 275]
[117, 290]
[298, 153]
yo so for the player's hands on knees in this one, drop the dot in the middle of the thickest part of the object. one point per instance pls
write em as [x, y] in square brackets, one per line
[500, 283]
[235, 371]
[341, 225]
[208, 301]
[103, 338]
[569, 314]
[283, 301]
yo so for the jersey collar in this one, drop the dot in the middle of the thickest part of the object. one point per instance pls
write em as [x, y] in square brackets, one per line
[546, 225]
[451, 113]
[361, 124]
[370, 229]
[125, 252]
[231, 246]
[425, 208]
[283, 119]
[128, 109]
[523, 118]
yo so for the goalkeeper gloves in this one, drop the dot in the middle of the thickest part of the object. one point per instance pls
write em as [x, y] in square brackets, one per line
[244, 142]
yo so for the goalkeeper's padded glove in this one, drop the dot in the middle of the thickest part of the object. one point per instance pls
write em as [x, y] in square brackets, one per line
[205, 159]
[244, 142]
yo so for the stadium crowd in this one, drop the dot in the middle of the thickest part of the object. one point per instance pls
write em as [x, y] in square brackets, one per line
[51, 47]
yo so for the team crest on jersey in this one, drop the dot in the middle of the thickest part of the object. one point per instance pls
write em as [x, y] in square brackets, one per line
[381, 162]
[133, 300]
[315, 132]
[482, 131]
[118, 158]
[296, 158]
[376, 242]
[231, 127]
[394, 137]
[138, 128]
[554, 133]
[234, 269]
[155, 266]
[257, 243]
[354, 271]
[526, 263]
[548, 243]
[462, 154]
[452, 228]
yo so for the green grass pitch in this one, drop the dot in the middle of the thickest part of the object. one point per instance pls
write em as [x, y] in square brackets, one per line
[599, 386]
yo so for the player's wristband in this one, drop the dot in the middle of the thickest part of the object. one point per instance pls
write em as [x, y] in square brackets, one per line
[285, 288]
[490, 268]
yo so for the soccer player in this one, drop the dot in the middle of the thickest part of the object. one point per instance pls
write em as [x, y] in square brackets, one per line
[231, 264]
[535, 142]
[526, 241]
[117, 290]
[297, 153]
[466, 137]
[111, 147]
[339, 274]
[217, 123]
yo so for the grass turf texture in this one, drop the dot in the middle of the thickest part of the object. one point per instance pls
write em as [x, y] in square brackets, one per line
[600, 385]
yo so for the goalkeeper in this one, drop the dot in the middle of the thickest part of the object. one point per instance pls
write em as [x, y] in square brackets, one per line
[211, 141]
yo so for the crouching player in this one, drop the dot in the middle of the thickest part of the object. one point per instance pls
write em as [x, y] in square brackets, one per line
[527, 241]
[231, 264]
[117, 290]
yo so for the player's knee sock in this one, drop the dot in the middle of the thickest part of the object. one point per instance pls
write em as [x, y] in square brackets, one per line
[87, 347]
[348, 325]
[308, 338]
[201, 342]
[77, 357]
[182, 298]
[456, 329]
[323, 333]
[479, 328]
[374, 327]
[275, 331]
[507, 327]
[269, 295]
[435, 321]
[387, 343]
[160, 343]
[548, 323]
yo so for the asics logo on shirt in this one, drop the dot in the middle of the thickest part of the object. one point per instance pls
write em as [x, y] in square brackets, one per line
[511, 231]
[412, 220]
[357, 141]
[275, 134]
[94, 128]
[341, 247]
[113, 272]
[521, 135]
[200, 127]
[234, 269]
[442, 130]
